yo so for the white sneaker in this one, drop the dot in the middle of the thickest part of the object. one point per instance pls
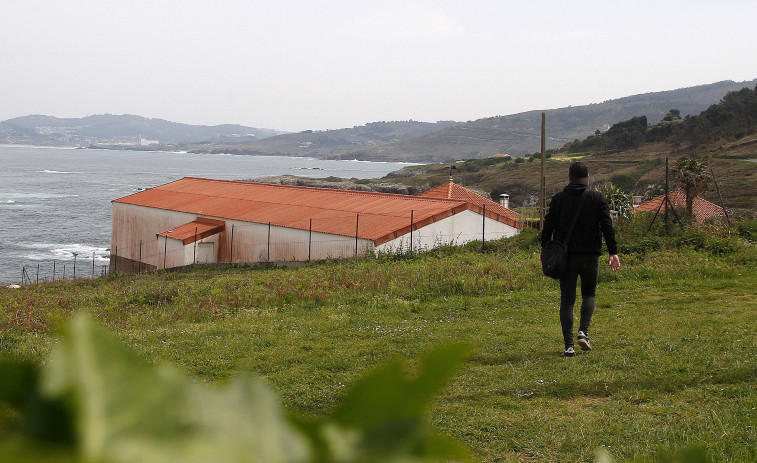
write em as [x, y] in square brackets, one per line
[583, 341]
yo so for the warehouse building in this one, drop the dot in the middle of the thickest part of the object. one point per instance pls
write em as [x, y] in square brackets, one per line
[197, 220]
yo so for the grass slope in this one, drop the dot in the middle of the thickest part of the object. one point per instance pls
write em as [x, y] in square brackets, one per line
[639, 172]
[673, 364]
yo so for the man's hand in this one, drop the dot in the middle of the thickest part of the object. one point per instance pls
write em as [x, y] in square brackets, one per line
[615, 262]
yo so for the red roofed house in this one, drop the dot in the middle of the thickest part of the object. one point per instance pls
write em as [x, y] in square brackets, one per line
[196, 220]
[452, 190]
[703, 209]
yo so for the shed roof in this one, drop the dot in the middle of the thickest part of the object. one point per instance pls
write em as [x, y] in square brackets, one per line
[195, 230]
[379, 217]
[703, 209]
[452, 190]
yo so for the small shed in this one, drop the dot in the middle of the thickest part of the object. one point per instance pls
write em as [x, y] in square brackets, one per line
[198, 220]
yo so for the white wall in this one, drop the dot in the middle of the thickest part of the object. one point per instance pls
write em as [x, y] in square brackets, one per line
[132, 224]
[457, 229]
[287, 244]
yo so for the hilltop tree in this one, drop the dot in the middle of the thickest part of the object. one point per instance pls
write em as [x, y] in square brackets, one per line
[672, 115]
[691, 175]
[627, 134]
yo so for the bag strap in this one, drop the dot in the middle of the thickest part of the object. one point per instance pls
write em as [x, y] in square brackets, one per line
[575, 217]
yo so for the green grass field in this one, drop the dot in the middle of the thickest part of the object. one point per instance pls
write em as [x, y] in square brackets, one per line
[674, 361]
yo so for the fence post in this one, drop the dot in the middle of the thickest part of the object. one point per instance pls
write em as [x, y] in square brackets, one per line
[194, 251]
[310, 238]
[357, 224]
[75, 254]
[37, 273]
[165, 251]
[412, 213]
[139, 265]
[483, 231]
[115, 261]
[53, 270]
[269, 242]
[231, 247]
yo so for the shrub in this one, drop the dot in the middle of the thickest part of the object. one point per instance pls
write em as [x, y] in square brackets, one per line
[747, 229]
[618, 200]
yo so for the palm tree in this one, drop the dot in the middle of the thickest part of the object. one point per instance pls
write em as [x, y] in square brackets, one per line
[693, 178]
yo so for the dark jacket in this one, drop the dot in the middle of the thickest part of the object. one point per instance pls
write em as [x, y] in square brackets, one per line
[593, 222]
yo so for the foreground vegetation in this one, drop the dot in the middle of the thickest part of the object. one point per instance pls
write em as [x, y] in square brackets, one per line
[673, 364]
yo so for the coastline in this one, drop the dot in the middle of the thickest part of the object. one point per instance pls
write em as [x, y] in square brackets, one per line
[19, 145]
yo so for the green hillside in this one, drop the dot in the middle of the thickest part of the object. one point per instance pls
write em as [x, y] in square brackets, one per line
[672, 365]
[637, 172]
[123, 128]
[520, 134]
[515, 134]
[330, 143]
[630, 154]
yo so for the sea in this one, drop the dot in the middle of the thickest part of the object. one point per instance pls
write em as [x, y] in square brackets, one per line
[55, 203]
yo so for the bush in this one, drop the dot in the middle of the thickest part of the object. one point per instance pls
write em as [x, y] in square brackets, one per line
[618, 201]
[747, 229]
[641, 246]
[527, 239]
[635, 236]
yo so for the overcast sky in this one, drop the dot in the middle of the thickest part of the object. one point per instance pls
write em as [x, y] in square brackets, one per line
[296, 65]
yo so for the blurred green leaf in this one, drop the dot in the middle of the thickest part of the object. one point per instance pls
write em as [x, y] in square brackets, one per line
[19, 382]
[383, 416]
[132, 412]
[388, 394]
[128, 411]
[694, 454]
[44, 419]
[19, 449]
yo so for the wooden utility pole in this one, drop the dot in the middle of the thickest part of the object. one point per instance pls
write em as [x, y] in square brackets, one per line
[543, 182]
[667, 200]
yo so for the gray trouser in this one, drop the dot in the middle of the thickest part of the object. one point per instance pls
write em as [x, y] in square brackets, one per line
[587, 267]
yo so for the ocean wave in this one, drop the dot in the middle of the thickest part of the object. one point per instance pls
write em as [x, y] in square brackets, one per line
[404, 163]
[46, 171]
[61, 251]
[16, 197]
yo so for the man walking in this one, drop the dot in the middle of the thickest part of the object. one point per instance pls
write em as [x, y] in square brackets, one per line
[584, 249]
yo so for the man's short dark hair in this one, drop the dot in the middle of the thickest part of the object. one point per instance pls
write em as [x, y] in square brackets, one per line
[578, 170]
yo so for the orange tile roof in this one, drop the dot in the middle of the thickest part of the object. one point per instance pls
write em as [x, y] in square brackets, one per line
[195, 230]
[379, 217]
[452, 190]
[703, 209]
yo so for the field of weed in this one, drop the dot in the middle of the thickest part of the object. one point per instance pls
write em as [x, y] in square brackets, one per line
[674, 361]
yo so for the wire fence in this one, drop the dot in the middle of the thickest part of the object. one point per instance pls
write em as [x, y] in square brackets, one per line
[64, 270]
[250, 244]
[272, 247]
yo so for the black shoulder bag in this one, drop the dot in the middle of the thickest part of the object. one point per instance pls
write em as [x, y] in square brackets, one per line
[554, 254]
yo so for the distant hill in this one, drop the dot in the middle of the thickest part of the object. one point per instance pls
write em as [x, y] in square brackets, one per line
[332, 143]
[631, 155]
[515, 134]
[112, 129]
[520, 134]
